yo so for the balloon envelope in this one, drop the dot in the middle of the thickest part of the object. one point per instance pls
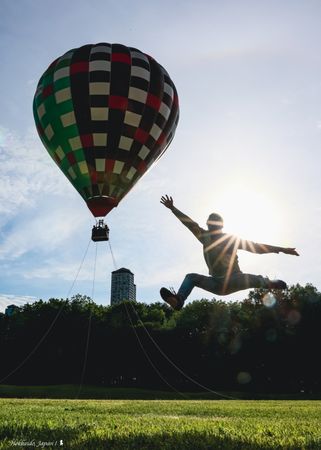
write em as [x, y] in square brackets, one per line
[105, 113]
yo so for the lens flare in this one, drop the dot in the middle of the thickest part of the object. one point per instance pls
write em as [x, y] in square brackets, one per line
[235, 345]
[271, 335]
[293, 317]
[243, 377]
[269, 300]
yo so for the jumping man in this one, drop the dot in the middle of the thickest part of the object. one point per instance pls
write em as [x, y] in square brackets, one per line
[220, 253]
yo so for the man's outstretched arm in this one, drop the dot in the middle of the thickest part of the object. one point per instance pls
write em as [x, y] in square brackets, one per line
[187, 221]
[254, 247]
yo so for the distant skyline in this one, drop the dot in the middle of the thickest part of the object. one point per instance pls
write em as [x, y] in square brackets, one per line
[248, 145]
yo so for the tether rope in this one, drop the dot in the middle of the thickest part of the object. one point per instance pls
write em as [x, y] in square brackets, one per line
[150, 360]
[139, 340]
[89, 327]
[169, 360]
[46, 333]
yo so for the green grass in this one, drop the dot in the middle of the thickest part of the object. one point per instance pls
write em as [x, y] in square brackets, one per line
[160, 424]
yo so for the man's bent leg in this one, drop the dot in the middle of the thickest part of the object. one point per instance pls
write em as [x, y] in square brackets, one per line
[210, 284]
[223, 286]
[239, 281]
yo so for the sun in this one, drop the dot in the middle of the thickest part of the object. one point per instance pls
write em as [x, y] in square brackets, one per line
[251, 213]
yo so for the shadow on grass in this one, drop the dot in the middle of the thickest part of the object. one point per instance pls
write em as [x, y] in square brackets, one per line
[26, 436]
[75, 439]
[176, 441]
[96, 392]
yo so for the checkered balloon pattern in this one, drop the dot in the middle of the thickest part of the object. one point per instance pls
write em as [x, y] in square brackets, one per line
[105, 113]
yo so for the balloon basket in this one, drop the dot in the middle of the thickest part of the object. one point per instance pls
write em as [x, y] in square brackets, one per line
[100, 232]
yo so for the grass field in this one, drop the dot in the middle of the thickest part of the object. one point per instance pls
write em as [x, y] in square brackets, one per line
[160, 424]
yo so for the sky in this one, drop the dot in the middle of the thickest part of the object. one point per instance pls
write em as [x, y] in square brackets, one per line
[248, 145]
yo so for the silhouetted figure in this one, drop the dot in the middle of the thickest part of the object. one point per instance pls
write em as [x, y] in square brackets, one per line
[220, 253]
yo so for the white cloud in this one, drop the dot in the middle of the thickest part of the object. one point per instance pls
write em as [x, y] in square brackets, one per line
[42, 232]
[43, 220]
[18, 300]
[39, 212]
[68, 270]
[26, 172]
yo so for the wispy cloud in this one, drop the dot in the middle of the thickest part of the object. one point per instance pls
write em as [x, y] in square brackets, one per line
[18, 300]
[42, 232]
[38, 208]
[41, 218]
[26, 173]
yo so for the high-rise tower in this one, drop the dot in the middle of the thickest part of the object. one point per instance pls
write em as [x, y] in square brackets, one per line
[122, 286]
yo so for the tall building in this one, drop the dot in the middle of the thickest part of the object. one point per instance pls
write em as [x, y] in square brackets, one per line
[10, 309]
[122, 286]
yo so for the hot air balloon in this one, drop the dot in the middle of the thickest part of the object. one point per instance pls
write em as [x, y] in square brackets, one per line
[105, 113]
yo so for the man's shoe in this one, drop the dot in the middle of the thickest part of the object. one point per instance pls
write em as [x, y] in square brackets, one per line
[171, 298]
[278, 284]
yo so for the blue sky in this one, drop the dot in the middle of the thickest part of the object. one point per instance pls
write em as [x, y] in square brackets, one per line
[248, 144]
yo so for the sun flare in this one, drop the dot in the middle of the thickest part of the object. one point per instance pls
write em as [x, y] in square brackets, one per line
[250, 213]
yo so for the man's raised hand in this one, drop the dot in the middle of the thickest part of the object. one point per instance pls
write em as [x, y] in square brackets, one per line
[167, 201]
[290, 251]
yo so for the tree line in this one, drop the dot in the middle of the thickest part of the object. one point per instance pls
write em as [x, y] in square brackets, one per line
[269, 342]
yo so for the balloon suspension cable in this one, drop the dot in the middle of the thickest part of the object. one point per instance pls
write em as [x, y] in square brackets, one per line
[112, 256]
[149, 358]
[48, 330]
[160, 350]
[89, 327]
[140, 342]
